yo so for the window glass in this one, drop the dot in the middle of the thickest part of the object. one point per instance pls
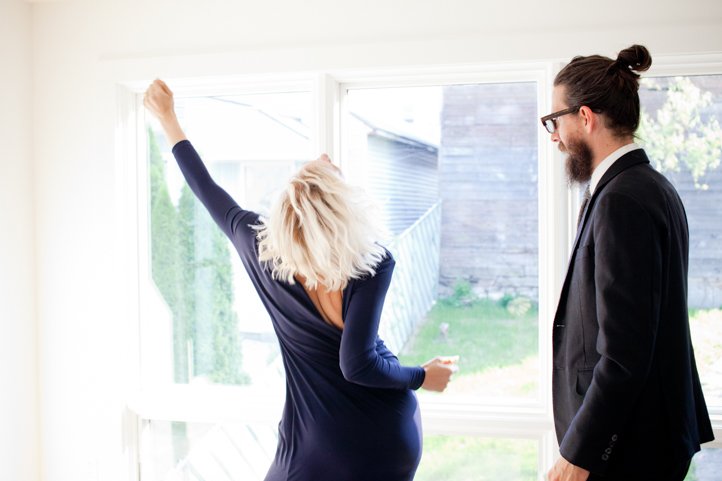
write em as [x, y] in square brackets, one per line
[197, 452]
[680, 130]
[204, 314]
[243, 452]
[454, 170]
[469, 458]
[706, 465]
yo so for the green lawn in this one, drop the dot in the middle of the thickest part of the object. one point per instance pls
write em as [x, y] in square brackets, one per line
[496, 342]
[497, 345]
[706, 329]
[469, 458]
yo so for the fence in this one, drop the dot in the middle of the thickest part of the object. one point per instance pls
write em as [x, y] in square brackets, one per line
[414, 286]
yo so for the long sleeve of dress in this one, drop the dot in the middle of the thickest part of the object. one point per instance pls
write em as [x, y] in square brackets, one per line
[224, 210]
[363, 361]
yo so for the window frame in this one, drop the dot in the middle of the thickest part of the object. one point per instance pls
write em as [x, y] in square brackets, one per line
[531, 420]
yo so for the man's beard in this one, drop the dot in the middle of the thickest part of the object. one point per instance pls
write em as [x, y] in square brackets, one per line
[579, 161]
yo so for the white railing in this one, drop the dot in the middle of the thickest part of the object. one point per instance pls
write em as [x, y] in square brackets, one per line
[415, 283]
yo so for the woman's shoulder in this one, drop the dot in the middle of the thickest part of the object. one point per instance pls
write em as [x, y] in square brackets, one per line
[387, 259]
[384, 266]
[244, 221]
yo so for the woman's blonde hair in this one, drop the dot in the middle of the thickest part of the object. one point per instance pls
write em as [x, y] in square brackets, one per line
[322, 229]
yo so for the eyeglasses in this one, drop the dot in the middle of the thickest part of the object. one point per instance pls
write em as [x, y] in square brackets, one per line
[550, 121]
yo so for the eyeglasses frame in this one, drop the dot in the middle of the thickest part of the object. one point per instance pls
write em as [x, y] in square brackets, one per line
[554, 116]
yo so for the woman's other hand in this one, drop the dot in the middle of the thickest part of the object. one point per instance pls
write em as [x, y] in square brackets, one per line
[438, 372]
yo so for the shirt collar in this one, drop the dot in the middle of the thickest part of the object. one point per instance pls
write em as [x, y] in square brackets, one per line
[607, 163]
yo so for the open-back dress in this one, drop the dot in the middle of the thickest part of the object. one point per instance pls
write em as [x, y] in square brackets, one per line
[350, 412]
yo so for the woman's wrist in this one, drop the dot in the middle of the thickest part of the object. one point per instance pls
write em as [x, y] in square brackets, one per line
[172, 128]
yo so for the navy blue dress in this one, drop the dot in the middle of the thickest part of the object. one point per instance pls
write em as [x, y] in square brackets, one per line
[350, 412]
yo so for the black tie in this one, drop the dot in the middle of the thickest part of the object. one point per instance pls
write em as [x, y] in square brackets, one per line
[585, 201]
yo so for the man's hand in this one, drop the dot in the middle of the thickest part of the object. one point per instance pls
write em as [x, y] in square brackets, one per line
[563, 470]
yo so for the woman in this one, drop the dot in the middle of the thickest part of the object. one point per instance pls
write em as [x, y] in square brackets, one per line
[350, 412]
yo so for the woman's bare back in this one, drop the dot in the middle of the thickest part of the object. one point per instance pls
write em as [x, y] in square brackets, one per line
[328, 303]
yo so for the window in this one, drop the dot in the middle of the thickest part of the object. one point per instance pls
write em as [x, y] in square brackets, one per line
[681, 130]
[431, 156]
[480, 225]
[454, 168]
[215, 328]
[204, 331]
[705, 465]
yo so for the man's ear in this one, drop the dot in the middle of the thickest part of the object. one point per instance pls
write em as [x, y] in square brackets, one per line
[590, 120]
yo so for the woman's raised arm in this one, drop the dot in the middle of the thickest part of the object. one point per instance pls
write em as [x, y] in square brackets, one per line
[224, 210]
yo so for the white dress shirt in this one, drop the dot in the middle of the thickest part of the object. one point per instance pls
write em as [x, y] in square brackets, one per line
[607, 163]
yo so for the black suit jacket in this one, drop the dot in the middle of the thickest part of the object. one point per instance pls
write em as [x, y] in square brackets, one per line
[627, 397]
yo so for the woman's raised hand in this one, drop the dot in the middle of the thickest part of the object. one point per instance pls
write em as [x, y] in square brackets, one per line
[158, 99]
[438, 372]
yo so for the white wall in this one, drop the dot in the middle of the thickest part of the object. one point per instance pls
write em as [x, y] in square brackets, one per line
[19, 456]
[82, 47]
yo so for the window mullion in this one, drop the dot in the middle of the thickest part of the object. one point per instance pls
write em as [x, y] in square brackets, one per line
[326, 110]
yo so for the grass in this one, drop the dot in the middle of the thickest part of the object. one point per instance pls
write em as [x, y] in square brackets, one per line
[692, 473]
[497, 345]
[706, 329]
[469, 458]
[706, 465]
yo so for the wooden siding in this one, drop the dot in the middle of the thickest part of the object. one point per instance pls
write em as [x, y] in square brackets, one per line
[403, 177]
[488, 178]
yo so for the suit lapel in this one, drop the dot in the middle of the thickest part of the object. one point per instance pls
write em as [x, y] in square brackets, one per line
[626, 161]
[620, 165]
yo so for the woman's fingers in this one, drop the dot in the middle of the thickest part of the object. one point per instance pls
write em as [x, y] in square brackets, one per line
[449, 359]
[158, 98]
[444, 360]
[439, 371]
[164, 87]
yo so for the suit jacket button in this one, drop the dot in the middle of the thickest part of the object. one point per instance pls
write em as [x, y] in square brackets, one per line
[608, 450]
[614, 438]
[605, 457]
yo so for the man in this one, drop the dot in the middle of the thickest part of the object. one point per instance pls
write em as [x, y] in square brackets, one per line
[628, 404]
